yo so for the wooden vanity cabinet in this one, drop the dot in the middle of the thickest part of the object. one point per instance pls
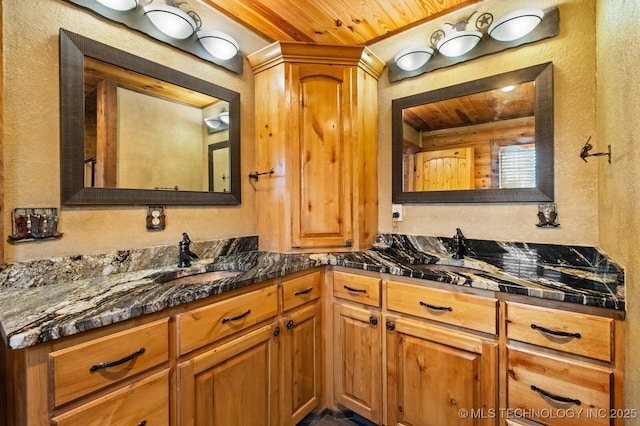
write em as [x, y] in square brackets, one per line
[240, 374]
[357, 344]
[316, 131]
[301, 346]
[434, 371]
[564, 362]
[113, 375]
[145, 402]
[233, 383]
[501, 359]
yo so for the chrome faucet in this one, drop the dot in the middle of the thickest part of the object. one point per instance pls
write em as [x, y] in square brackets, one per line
[459, 245]
[185, 256]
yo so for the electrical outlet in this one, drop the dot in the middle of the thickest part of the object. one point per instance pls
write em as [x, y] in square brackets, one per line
[396, 212]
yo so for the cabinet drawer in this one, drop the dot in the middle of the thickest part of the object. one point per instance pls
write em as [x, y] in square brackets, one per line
[577, 333]
[202, 326]
[300, 290]
[143, 402]
[357, 288]
[464, 310]
[540, 384]
[86, 367]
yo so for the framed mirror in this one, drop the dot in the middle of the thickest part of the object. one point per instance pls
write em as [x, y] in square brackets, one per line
[133, 131]
[483, 141]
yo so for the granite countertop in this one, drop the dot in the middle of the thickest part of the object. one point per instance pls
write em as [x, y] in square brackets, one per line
[571, 274]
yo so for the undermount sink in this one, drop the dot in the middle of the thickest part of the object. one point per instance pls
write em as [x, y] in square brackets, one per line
[444, 267]
[205, 277]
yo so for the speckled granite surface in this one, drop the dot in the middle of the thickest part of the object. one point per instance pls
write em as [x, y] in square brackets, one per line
[39, 310]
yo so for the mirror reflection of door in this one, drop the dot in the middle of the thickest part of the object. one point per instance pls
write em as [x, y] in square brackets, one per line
[219, 167]
[448, 169]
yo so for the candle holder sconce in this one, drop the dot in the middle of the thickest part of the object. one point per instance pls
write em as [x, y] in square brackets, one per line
[32, 224]
[547, 215]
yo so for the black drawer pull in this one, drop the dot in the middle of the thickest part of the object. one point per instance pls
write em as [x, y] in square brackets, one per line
[355, 290]
[289, 324]
[236, 318]
[556, 333]
[301, 292]
[118, 362]
[436, 308]
[373, 320]
[555, 397]
[142, 423]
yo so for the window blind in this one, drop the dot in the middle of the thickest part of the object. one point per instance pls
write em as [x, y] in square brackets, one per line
[517, 166]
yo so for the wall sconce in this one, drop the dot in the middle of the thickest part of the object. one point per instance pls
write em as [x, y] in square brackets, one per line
[459, 41]
[413, 58]
[515, 25]
[171, 20]
[219, 44]
[122, 5]
[217, 123]
[462, 44]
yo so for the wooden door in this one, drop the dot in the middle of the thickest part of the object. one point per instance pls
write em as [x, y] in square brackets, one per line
[234, 384]
[321, 191]
[447, 169]
[435, 374]
[358, 360]
[302, 360]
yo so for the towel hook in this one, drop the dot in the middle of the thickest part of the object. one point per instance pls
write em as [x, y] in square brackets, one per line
[584, 152]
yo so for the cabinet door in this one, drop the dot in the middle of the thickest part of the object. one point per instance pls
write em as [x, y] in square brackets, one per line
[145, 402]
[358, 360]
[321, 194]
[233, 384]
[434, 374]
[302, 360]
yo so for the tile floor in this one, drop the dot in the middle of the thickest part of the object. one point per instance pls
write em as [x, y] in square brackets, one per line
[335, 419]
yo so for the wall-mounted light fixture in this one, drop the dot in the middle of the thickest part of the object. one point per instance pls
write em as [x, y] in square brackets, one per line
[217, 123]
[413, 58]
[460, 43]
[515, 25]
[121, 5]
[219, 44]
[172, 22]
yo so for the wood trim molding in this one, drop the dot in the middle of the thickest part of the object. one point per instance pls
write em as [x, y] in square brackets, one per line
[279, 52]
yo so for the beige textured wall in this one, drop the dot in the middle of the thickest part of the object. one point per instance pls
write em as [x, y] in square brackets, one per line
[573, 56]
[154, 131]
[619, 182]
[31, 144]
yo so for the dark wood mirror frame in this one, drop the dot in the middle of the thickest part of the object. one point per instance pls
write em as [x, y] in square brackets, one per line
[544, 191]
[73, 49]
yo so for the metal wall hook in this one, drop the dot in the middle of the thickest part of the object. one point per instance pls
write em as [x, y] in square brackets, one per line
[256, 175]
[584, 153]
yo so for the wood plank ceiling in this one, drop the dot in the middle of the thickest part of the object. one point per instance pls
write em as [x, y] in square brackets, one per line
[341, 22]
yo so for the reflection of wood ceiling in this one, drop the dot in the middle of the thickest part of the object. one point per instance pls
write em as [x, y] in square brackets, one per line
[95, 71]
[478, 108]
[347, 22]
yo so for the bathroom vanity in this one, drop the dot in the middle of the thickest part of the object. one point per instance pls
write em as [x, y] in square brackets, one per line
[519, 333]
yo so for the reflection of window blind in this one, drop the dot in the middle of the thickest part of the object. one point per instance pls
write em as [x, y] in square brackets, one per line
[517, 166]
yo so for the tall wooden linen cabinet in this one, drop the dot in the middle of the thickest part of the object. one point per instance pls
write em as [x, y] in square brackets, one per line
[316, 128]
